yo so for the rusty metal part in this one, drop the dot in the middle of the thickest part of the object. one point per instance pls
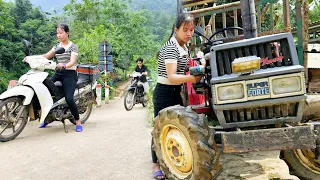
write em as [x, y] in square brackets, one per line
[248, 112]
[284, 110]
[306, 157]
[300, 137]
[310, 157]
[241, 114]
[277, 111]
[201, 109]
[263, 112]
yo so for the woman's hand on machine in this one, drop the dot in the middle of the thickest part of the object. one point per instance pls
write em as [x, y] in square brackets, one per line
[203, 62]
[195, 79]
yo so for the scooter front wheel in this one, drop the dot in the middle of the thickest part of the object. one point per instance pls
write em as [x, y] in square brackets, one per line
[129, 100]
[13, 118]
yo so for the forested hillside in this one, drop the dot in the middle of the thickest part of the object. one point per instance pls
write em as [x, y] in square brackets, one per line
[167, 6]
[133, 31]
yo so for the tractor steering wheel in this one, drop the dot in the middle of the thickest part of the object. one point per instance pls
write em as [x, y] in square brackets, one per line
[223, 31]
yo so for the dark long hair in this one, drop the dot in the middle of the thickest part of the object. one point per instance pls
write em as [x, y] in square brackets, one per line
[64, 27]
[182, 18]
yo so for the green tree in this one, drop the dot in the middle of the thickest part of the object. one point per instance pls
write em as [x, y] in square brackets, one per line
[125, 29]
[22, 11]
[20, 21]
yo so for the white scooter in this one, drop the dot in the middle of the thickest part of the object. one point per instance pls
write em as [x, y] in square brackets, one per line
[37, 97]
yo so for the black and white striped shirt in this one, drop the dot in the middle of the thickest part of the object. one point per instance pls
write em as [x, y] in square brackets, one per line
[64, 58]
[171, 52]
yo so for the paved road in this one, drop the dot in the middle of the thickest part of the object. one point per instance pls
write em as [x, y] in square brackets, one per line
[115, 145]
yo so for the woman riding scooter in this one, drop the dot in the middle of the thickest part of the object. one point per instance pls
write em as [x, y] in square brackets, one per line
[66, 70]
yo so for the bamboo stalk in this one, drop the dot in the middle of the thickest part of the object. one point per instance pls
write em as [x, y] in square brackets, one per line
[264, 12]
[259, 19]
[286, 13]
[224, 6]
[196, 3]
[235, 21]
[213, 24]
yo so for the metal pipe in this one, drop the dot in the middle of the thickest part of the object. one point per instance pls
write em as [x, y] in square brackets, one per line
[248, 18]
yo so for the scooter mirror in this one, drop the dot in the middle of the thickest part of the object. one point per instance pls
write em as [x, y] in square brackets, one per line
[26, 43]
[198, 31]
[60, 50]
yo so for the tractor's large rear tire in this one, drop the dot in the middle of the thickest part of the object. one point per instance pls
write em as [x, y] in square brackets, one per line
[302, 164]
[185, 145]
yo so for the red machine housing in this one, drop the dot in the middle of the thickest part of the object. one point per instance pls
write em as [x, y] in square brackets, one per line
[193, 97]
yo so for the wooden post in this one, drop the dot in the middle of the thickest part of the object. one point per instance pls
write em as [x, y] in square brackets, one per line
[224, 19]
[286, 14]
[248, 18]
[259, 18]
[106, 93]
[213, 25]
[224, 22]
[305, 35]
[203, 23]
[98, 92]
[299, 31]
[235, 21]
[271, 17]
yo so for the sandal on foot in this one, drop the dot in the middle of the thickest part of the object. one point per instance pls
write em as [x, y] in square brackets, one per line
[44, 124]
[158, 174]
[78, 128]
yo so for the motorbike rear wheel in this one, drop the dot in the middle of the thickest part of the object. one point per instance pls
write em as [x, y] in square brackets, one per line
[13, 115]
[85, 103]
[129, 100]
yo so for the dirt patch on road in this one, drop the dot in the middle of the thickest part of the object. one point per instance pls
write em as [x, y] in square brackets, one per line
[122, 87]
[262, 165]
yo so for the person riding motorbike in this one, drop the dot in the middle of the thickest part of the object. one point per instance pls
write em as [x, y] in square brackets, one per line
[141, 68]
[66, 71]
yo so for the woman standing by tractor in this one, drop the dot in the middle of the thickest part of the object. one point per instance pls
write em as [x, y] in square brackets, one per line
[172, 60]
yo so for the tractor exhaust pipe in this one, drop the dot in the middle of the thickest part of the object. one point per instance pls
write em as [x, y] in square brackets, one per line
[248, 18]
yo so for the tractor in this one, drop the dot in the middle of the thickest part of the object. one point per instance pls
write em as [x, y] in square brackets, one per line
[252, 97]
